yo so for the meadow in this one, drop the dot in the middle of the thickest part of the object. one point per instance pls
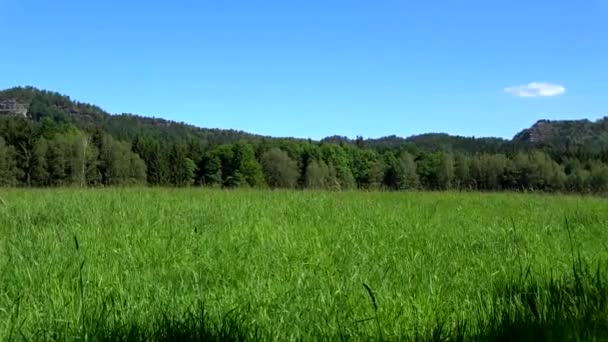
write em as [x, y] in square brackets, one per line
[145, 263]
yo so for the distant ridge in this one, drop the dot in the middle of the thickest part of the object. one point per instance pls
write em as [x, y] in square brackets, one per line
[42, 104]
[37, 104]
[566, 134]
[47, 139]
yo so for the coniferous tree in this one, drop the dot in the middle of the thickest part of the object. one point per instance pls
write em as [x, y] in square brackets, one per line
[181, 168]
[40, 174]
[64, 143]
[8, 165]
[248, 171]
[155, 158]
[210, 170]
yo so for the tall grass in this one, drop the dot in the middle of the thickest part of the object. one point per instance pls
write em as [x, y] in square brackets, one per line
[571, 308]
[138, 264]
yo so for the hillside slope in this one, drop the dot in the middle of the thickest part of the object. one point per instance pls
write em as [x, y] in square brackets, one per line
[59, 108]
[35, 104]
[569, 137]
[47, 139]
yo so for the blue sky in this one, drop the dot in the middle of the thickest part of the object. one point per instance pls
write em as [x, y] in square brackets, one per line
[317, 68]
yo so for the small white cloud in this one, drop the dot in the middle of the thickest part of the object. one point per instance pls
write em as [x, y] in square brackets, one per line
[536, 89]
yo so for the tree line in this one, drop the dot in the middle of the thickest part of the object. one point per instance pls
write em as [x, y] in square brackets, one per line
[52, 153]
[67, 143]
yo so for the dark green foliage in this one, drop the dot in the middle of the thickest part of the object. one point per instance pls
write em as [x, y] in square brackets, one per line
[21, 134]
[338, 159]
[181, 168]
[400, 171]
[567, 139]
[246, 166]
[436, 170]
[8, 165]
[65, 159]
[280, 171]
[488, 171]
[155, 158]
[462, 172]
[210, 170]
[427, 142]
[367, 168]
[598, 176]
[118, 165]
[231, 177]
[62, 143]
[537, 171]
[234, 164]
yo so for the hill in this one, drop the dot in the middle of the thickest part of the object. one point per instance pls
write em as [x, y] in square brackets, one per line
[41, 105]
[567, 137]
[48, 139]
[38, 104]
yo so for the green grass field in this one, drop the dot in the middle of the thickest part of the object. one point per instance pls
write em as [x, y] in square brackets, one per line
[96, 264]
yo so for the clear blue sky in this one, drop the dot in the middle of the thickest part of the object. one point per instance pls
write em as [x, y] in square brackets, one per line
[318, 67]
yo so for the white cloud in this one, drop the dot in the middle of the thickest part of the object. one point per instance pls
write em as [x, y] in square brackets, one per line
[536, 89]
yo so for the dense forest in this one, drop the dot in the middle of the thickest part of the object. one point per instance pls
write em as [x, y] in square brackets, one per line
[60, 142]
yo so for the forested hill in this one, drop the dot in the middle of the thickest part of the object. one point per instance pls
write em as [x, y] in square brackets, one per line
[567, 137]
[47, 139]
[60, 109]
[428, 142]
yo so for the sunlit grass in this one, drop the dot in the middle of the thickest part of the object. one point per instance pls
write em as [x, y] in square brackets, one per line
[282, 264]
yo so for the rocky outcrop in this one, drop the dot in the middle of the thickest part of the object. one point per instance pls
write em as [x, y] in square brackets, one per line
[561, 131]
[13, 107]
[541, 131]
